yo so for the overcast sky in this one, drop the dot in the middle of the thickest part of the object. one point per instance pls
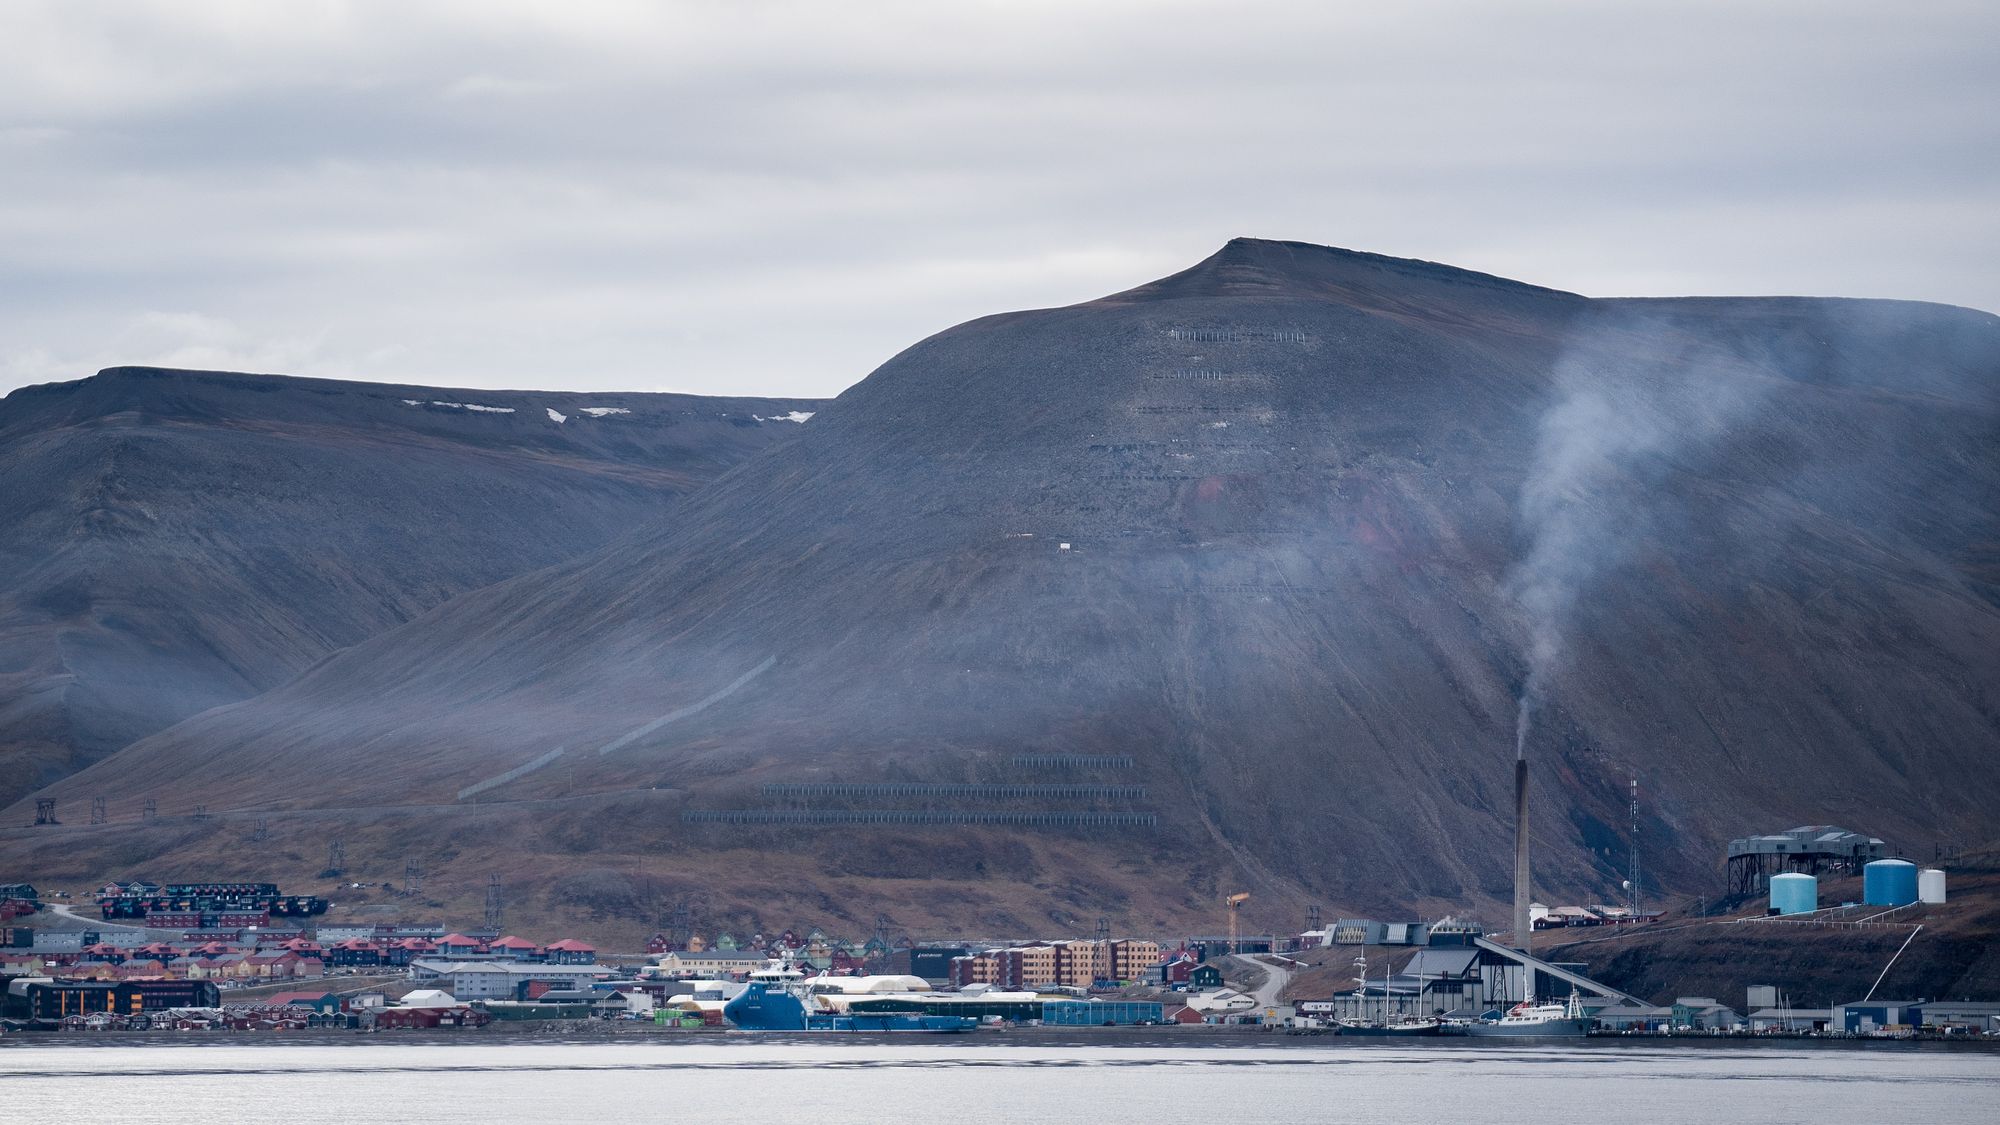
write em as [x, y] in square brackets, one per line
[774, 198]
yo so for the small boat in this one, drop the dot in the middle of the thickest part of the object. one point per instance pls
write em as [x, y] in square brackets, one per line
[1529, 1020]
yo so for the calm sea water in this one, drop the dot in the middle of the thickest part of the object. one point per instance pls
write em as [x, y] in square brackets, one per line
[971, 1081]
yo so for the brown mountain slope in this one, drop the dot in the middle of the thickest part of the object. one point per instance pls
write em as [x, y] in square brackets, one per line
[171, 541]
[1327, 516]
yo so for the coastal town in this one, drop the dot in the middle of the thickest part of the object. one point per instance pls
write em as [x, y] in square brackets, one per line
[248, 957]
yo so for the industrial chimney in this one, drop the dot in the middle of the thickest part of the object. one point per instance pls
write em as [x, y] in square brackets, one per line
[1524, 928]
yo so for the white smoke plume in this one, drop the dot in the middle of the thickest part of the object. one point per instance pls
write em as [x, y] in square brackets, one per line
[1615, 428]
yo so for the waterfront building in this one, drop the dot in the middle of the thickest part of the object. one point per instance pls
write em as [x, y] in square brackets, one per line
[1973, 1017]
[1101, 1013]
[53, 999]
[1787, 1019]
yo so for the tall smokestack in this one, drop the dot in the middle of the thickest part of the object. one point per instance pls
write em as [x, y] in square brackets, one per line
[1524, 930]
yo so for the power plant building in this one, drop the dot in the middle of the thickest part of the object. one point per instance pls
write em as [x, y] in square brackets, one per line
[1467, 977]
[1814, 849]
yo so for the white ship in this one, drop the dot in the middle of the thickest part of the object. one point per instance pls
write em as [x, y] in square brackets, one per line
[1532, 1020]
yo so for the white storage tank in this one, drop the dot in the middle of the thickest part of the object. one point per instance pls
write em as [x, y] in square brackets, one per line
[1930, 886]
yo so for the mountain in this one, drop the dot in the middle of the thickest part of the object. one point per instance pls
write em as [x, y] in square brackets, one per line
[172, 541]
[1233, 581]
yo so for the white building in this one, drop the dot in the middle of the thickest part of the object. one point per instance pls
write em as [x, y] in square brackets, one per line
[497, 980]
[636, 1002]
[428, 998]
[707, 964]
[1221, 1001]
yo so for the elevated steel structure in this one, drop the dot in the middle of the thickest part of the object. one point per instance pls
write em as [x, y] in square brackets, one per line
[1814, 849]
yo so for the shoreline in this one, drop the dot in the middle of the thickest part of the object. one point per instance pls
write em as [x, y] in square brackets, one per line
[1207, 1038]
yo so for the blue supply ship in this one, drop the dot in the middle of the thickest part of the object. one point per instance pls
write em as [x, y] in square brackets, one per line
[771, 1002]
[759, 1008]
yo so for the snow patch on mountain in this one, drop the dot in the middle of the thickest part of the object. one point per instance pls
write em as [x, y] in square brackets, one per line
[473, 406]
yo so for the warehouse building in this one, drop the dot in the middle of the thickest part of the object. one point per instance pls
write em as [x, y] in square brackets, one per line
[1972, 1017]
[1790, 1020]
[933, 962]
[1865, 1017]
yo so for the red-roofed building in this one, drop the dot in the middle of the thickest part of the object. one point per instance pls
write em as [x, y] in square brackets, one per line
[408, 950]
[280, 966]
[458, 945]
[317, 1001]
[514, 948]
[356, 951]
[570, 951]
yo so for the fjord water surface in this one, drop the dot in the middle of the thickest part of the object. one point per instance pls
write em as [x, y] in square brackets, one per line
[835, 1083]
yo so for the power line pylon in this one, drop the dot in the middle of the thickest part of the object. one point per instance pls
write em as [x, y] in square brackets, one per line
[336, 859]
[493, 902]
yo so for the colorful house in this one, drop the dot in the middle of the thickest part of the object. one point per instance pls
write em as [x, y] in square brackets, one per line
[1204, 976]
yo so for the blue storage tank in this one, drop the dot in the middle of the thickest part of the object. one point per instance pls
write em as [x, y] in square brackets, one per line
[1889, 882]
[1794, 892]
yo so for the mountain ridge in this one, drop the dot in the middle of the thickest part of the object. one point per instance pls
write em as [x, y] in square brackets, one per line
[1267, 542]
[179, 539]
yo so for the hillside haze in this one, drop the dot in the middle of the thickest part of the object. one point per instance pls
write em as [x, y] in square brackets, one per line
[172, 541]
[1254, 564]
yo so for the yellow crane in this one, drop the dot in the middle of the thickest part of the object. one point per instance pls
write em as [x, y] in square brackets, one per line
[1236, 902]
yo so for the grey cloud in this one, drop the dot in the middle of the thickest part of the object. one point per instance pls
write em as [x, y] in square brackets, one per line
[775, 198]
